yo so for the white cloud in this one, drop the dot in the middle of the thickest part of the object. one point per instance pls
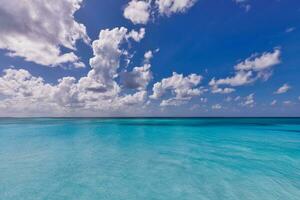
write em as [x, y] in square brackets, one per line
[252, 69]
[97, 91]
[37, 29]
[240, 78]
[273, 103]
[106, 60]
[172, 102]
[137, 11]
[21, 84]
[79, 65]
[265, 61]
[184, 88]
[138, 78]
[283, 89]
[216, 107]
[168, 7]
[136, 98]
[24, 93]
[136, 35]
[147, 56]
[215, 89]
[140, 11]
[249, 100]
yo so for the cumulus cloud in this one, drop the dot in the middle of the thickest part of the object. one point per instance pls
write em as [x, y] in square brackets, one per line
[215, 89]
[168, 7]
[240, 78]
[96, 91]
[21, 84]
[265, 61]
[24, 93]
[100, 83]
[137, 35]
[138, 78]
[106, 60]
[252, 69]
[138, 11]
[37, 30]
[134, 99]
[182, 88]
[283, 89]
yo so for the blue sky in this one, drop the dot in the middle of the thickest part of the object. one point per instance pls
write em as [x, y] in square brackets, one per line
[205, 58]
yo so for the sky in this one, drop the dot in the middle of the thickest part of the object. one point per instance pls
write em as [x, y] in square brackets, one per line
[138, 58]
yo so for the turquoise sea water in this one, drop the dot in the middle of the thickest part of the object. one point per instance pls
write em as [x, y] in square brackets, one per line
[115, 159]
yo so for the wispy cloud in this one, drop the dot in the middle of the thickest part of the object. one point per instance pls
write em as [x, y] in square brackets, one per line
[283, 89]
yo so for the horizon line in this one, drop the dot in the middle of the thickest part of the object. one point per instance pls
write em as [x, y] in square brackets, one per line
[155, 117]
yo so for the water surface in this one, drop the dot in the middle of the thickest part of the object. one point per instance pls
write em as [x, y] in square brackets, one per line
[134, 159]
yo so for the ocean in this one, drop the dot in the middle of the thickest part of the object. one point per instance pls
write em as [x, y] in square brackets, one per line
[149, 158]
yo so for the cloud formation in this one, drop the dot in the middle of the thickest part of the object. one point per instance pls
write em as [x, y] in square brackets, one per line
[261, 63]
[138, 12]
[182, 88]
[283, 89]
[36, 31]
[216, 90]
[141, 11]
[256, 67]
[46, 32]
[249, 100]
[99, 90]
[138, 78]
[273, 103]
[96, 91]
[169, 7]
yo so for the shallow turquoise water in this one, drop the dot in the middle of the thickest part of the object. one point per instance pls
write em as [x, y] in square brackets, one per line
[95, 159]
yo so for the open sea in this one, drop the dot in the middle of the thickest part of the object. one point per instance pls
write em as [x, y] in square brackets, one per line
[150, 158]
